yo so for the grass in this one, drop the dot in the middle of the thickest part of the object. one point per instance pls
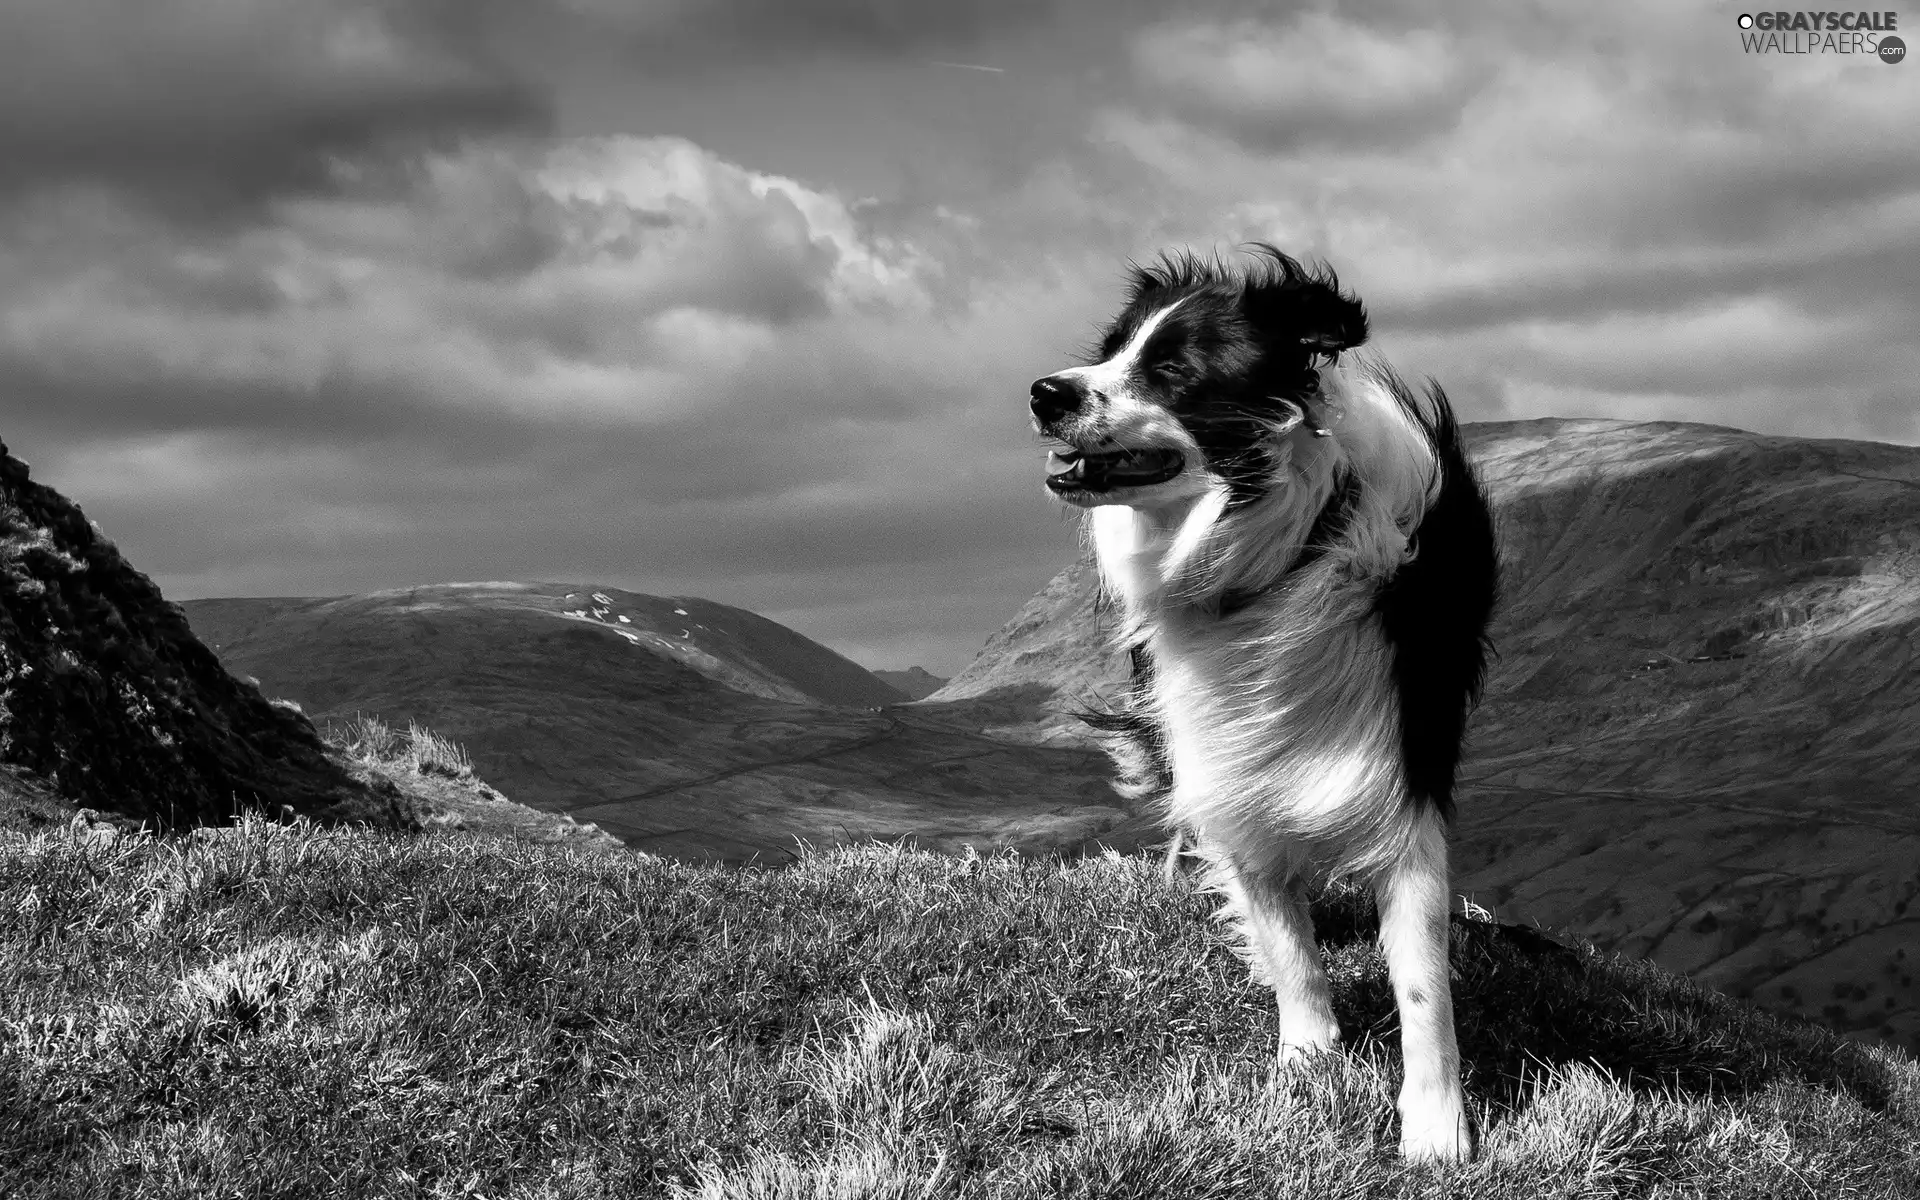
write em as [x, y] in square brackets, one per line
[288, 1011]
[378, 744]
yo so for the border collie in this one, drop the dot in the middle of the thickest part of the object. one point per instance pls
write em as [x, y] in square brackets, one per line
[1303, 567]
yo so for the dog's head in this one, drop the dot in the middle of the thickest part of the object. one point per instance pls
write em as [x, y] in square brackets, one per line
[1197, 383]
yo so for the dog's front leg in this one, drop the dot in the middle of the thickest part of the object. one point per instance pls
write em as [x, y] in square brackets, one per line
[1412, 896]
[1278, 930]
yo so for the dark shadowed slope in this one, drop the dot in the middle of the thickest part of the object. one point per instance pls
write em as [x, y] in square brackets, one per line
[107, 700]
[1701, 741]
[713, 745]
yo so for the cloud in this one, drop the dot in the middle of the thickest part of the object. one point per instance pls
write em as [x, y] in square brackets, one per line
[786, 26]
[207, 106]
[1313, 79]
[612, 281]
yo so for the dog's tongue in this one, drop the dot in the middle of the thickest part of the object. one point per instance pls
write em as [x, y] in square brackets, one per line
[1095, 471]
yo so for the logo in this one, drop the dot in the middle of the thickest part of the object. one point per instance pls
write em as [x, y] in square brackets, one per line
[1860, 33]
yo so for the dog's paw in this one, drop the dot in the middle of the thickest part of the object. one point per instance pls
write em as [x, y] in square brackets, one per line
[1304, 1035]
[1433, 1127]
[1298, 1052]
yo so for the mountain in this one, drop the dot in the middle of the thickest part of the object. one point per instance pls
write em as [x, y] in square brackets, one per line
[682, 726]
[1701, 739]
[915, 683]
[1050, 659]
[731, 646]
[108, 701]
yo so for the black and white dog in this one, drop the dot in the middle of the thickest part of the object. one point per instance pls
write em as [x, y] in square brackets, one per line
[1303, 566]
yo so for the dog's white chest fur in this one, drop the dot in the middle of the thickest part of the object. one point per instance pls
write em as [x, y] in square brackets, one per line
[1286, 748]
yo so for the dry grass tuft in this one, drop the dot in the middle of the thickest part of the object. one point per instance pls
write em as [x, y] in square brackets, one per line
[419, 749]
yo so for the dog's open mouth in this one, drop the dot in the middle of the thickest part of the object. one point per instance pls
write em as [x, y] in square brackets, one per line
[1075, 470]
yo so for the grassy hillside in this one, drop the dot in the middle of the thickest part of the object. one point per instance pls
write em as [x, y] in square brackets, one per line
[1699, 743]
[287, 1011]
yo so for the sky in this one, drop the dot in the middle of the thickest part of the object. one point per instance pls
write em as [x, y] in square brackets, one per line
[741, 298]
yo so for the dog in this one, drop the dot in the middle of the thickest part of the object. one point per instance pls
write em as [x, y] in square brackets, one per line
[1303, 566]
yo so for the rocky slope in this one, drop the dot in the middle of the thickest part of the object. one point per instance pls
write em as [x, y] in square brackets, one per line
[1701, 741]
[108, 701]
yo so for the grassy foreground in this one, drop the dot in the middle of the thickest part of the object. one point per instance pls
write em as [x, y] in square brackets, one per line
[291, 1011]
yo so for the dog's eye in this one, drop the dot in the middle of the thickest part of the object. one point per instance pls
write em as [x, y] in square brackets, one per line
[1170, 369]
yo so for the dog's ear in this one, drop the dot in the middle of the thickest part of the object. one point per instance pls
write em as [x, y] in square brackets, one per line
[1287, 302]
[1332, 321]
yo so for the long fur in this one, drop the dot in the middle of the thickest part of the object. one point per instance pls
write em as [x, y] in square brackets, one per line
[1304, 604]
[1271, 674]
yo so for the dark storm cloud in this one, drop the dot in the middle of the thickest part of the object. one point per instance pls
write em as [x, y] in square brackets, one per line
[211, 106]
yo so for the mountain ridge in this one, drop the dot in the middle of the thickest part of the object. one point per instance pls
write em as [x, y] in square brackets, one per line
[733, 646]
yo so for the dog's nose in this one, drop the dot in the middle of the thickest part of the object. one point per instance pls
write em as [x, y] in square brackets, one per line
[1054, 397]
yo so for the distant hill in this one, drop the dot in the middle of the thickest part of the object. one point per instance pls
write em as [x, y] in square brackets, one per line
[690, 728]
[1700, 739]
[740, 649]
[915, 683]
